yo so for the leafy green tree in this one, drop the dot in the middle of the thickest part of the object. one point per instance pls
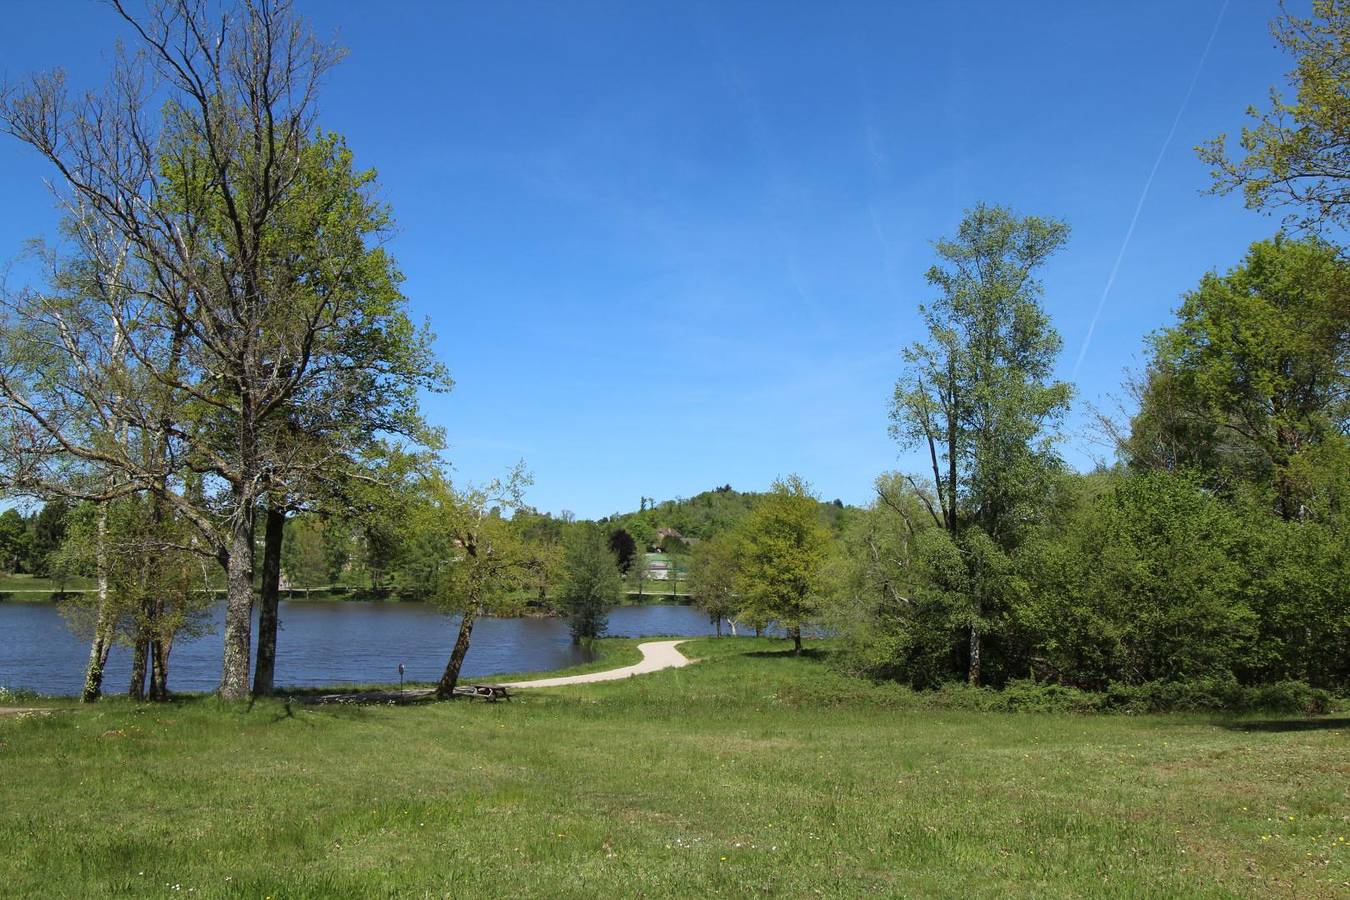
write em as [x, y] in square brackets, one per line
[353, 480]
[339, 549]
[1296, 574]
[1257, 369]
[712, 579]
[152, 592]
[642, 530]
[677, 560]
[1294, 155]
[591, 584]
[978, 395]
[638, 573]
[623, 546]
[1144, 583]
[782, 548]
[869, 580]
[703, 516]
[485, 561]
[543, 538]
[49, 530]
[382, 544]
[15, 541]
[304, 555]
[245, 296]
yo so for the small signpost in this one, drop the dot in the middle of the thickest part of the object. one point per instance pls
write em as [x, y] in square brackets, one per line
[400, 682]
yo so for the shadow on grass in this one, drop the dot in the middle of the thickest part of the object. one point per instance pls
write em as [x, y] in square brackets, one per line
[357, 698]
[1283, 725]
[296, 693]
[814, 653]
[284, 713]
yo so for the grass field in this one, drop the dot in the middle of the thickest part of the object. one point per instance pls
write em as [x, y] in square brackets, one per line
[752, 773]
[25, 584]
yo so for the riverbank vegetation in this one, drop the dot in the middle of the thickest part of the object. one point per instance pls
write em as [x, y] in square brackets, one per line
[752, 772]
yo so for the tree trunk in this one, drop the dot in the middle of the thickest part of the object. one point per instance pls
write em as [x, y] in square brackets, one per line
[98, 656]
[98, 659]
[445, 689]
[154, 635]
[797, 640]
[159, 668]
[238, 607]
[952, 454]
[140, 655]
[102, 640]
[146, 620]
[265, 668]
[718, 621]
[974, 673]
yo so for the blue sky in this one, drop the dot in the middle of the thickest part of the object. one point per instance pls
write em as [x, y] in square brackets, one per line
[670, 246]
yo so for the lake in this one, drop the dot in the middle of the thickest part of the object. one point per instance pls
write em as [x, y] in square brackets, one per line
[323, 643]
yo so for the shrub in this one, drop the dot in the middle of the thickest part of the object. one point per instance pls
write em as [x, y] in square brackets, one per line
[1018, 696]
[1217, 695]
[1026, 696]
[17, 695]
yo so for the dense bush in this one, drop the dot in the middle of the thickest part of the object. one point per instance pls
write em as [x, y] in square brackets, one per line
[1144, 584]
[1221, 695]
[1199, 695]
[1216, 553]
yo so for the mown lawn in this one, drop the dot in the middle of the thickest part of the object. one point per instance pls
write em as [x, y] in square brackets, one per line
[752, 773]
[20, 585]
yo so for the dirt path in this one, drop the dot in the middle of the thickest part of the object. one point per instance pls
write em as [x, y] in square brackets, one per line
[656, 655]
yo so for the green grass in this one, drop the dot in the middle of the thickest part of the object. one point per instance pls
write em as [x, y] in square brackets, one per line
[752, 773]
[24, 584]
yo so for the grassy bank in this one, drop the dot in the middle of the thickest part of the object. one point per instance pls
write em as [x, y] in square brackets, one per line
[751, 773]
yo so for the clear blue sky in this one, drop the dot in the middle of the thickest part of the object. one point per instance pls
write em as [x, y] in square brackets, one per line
[670, 246]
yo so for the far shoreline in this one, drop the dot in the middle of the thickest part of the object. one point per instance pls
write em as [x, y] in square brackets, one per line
[36, 596]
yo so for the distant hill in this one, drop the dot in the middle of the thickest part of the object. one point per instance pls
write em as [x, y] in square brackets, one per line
[699, 517]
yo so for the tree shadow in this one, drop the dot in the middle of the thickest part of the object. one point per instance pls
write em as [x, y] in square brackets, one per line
[815, 653]
[1276, 726]
[284, 713]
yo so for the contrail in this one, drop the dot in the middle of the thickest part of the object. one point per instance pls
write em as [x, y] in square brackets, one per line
[1143, 196]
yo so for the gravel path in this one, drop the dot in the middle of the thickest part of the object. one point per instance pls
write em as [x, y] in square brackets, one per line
[656, 655]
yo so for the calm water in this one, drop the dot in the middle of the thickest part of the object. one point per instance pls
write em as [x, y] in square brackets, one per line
[322, 643]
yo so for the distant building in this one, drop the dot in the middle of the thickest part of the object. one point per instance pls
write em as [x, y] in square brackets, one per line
[664, 534]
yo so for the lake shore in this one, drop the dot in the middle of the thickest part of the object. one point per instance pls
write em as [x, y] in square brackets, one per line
[329, 595]
[325, 644]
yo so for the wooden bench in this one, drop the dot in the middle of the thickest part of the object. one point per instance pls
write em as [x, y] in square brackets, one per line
[489, 692]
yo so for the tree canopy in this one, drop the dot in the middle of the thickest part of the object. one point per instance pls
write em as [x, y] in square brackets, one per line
[1295, 155]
